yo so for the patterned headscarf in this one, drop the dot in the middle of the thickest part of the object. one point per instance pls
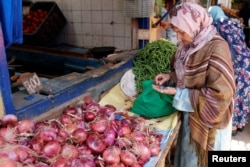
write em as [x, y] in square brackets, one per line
[194, 20]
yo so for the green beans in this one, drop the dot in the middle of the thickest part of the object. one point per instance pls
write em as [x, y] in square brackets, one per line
[151, 60]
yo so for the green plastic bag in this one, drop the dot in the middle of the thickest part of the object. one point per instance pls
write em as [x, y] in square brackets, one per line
[152, 104]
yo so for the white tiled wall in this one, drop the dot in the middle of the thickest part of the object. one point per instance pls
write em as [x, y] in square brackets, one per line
[93, 23]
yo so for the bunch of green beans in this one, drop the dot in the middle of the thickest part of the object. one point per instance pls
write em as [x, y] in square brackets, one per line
[151, 60]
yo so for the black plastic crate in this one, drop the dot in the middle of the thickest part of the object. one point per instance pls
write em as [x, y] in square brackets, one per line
[48, 30]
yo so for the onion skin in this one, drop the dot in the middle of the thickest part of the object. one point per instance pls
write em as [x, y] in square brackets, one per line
[79, 136]
[99, 125]
[69, 152]
[70, 110]
[59, 162]
[51, 149]
[7, 162]
[109, 136]
[128, 158]
[111, 155]
[26, 126]
[89, 116]
[9, 120]
[95, 144]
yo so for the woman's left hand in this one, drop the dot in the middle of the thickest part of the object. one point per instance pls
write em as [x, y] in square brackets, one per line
[166, 90]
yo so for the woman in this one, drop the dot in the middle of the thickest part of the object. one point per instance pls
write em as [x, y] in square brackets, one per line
[203, 72]
[232, 32]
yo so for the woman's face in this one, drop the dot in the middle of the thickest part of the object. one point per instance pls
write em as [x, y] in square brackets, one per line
[181, 35]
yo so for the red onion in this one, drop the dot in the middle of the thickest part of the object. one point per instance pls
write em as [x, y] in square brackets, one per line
[7, 162]
[84, 150]
[99, 125]
[138, 136]
[26, 126]
[51, 149]
[89, 116]
[128, 158]
[124, 131]
[36, 144]
[59, 162]
[94, 107]
[70, 110]
[154, 149]
[41, 164]
[63, 134]
[109, 109]
[87, 100]
[111, 155]
[95, 144]
[79, 135]
[8, 134]
[109, 136]
[69, 152]
[9, 120]
[65, 119]
[143, 153]
[21, 152]
[47, 135]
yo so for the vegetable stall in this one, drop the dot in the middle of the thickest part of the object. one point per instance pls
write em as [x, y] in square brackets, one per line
[97, 127]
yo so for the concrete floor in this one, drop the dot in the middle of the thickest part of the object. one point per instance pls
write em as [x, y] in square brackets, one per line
[242, 140]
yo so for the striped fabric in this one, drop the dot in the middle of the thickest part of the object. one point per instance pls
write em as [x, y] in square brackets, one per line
[209, 76]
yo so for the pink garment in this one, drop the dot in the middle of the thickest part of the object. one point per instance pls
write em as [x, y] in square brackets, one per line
[197, 23]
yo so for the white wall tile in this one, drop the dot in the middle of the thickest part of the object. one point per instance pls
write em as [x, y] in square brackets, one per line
[96, 16]
[107, 4]
[108, 41]
[78, 40]
[97, 41]
[97, 29]
[117, 4]
[66, 5]
[87, 29]
[86, 5]
[86, 17]
[107, 17]
[128, 30]
[88, 41]
[77, 16]
[119, 30]
[119, 43]
[77, 28]
[118, 17]
[96, 5]
[108, 30]
[93, 23]
[128, 43]
[76, 4]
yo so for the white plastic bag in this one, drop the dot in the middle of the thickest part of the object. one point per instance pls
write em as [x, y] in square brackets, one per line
[127, 83]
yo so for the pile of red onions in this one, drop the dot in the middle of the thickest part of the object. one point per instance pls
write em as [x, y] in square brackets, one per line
[84, 135]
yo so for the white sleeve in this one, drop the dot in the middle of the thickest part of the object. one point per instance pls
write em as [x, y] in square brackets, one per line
[181, 100]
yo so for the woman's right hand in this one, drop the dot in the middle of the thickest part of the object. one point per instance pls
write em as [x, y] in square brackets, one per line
[161, 79]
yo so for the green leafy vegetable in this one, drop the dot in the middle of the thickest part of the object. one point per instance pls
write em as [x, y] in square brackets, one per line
[151, 60]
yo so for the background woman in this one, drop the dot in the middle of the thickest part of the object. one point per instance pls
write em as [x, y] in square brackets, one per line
[232, 31]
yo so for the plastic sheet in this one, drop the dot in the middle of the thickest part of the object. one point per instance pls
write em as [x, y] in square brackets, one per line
[11, 21]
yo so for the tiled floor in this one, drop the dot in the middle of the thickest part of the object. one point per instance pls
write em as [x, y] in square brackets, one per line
[242, 140]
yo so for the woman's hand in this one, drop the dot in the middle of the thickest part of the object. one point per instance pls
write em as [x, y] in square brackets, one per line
[166, 90]
[161, 79]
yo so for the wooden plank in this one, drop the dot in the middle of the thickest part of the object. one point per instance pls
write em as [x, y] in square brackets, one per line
[47, 50]
[162, 160]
